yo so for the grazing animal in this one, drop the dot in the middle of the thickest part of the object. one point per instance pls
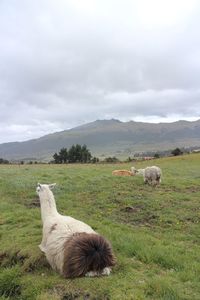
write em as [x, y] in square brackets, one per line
[138, 171]
[152, 175]
[123, 173]
[72, 247]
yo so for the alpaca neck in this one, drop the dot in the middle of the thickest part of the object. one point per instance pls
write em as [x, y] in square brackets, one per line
[48, 205]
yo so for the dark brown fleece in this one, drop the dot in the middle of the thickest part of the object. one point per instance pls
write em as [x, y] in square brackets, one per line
[85, 252]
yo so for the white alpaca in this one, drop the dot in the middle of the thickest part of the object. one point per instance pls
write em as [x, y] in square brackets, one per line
[152, 175]
[138, 171]
[71, 247]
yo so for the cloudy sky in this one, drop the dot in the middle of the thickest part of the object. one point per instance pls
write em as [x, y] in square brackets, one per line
[64, 63]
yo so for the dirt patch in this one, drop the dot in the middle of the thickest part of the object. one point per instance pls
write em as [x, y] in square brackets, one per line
[83, 296]
[71, 295]
[193, 189]
[67, 292]
[131, 209]
[146, 220]
[172, 189]
[135, 215]
[36, 263]
[189, 189]
[11, 259]
[34, 203]
[28, 264]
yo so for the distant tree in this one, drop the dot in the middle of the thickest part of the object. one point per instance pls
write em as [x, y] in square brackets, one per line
[63, 155]
[57, 159]
[4, 161]
[130, 159]
[85, 154]
[94, 160]
[176, 152]
[76, 153]
[111, 159]
[156, 155]
[72, 154]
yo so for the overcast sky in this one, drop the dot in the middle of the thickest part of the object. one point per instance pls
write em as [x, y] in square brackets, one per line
[64, 63]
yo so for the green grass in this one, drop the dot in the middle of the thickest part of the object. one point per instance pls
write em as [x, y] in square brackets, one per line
[155, 232]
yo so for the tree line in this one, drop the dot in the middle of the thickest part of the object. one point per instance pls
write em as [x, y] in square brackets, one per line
[75, 154]
[81, 154]
[4, 161]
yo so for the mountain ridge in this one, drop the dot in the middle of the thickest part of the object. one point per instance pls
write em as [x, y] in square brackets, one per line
[108, 137]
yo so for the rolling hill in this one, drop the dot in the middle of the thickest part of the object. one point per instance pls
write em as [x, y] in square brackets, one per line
[108, 137]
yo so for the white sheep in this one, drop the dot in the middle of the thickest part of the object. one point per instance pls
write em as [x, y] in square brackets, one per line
[71, 247]
[152, 175]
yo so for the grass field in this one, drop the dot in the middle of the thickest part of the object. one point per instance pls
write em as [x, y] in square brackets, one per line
[155, 232]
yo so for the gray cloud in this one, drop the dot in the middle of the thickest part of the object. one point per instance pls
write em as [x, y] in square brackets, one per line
[66, 63]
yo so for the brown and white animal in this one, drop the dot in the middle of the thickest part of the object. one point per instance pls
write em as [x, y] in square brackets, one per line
[72, 247]
[123, 173]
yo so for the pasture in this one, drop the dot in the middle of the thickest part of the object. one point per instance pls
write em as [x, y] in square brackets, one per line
[155, 232]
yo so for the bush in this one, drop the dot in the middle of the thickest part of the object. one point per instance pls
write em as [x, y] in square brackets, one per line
[176, 152]
[111, 159]
[4, 161]
[94, 160]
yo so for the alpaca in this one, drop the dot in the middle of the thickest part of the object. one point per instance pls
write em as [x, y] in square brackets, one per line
[152, 175]
[72, 247]
[123, 173]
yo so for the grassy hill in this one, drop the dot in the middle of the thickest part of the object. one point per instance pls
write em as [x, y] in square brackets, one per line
[155, 232]
[108, 137]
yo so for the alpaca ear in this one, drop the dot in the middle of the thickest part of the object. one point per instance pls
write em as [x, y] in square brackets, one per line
[39, 188]
[51, 186]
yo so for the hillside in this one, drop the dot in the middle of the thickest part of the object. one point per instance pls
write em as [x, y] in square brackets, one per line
[108, 137]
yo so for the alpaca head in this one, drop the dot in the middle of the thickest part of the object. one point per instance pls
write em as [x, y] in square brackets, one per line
[47, 201]
[41, 188]
[134, 170]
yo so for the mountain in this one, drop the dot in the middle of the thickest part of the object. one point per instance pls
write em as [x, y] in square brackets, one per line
[108, 137]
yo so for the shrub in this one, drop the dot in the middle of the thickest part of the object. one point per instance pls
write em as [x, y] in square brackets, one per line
[111, 159]
[176, 152]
